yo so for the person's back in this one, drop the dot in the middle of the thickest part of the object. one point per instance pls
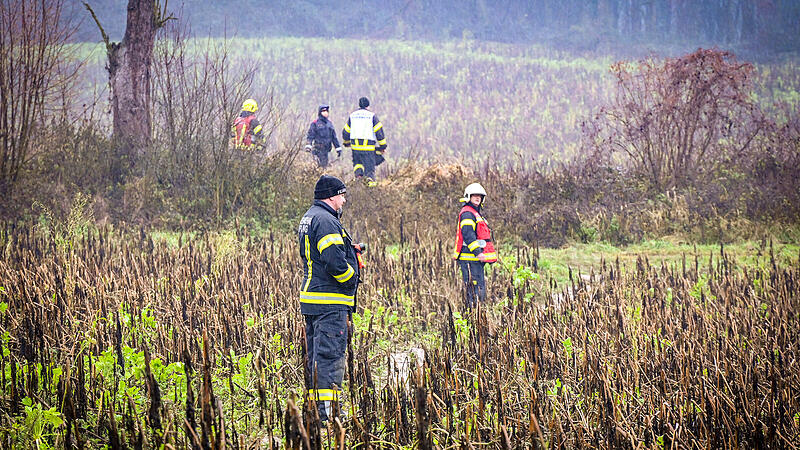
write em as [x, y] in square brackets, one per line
[246, 126]
[364, 133]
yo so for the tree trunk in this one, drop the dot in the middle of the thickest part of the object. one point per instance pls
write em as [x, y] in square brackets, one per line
[129, 65]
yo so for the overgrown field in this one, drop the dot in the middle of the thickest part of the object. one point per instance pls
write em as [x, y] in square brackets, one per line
[463, 99]
[129, 340]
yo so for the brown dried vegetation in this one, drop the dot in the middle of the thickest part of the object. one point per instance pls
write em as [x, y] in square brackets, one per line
[137, 343]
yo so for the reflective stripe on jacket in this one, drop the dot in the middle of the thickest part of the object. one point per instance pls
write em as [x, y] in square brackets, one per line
[363, 132]
[472, 229]
[329, 262]
[244, 127]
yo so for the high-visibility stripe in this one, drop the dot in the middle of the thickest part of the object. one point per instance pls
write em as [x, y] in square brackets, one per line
[326, 298]
[346, 275]
[257, 129]
[328, 240]
[347, 127]
[465, 256]
[357, 167]
[469, 222]
[473, 245]
[323, 395]
[382, 142]
[362, 145]
[308, 258]
[377, 127]
[346, 143]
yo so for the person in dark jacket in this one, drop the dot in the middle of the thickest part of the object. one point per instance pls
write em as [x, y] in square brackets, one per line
[327, 293]
[363, 132]
[474, 244]
[321, 137]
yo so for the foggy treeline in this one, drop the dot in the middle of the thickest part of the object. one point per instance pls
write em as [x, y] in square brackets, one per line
[743, 25]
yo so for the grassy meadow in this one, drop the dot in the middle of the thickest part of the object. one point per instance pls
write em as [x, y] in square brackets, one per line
[162, 312]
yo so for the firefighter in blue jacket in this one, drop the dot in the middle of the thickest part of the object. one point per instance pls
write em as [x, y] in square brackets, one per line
[321, 137]
[327, 294]
[363, 132]
[474, 245]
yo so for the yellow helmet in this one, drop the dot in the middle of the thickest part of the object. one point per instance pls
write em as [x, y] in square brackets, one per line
[250, 105]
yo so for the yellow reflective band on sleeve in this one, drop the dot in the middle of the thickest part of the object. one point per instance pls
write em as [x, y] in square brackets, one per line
[382, 142]
[326, 298]
[347, 127]
[257, 129]
[473, 245]
[377, 127]
[357, 167]
[491, 255]
[346, 275]
[328, 240]
[308, 258]
[320, 395]
[469, 222]
[346, 143]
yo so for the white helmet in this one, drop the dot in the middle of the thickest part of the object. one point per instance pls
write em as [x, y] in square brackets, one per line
[473, 189]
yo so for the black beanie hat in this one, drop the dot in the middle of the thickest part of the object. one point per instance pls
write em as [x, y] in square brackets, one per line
[363, 102]
[327, 187]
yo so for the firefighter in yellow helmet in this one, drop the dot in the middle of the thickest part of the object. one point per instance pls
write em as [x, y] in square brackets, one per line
[246, 127]
[474, 244]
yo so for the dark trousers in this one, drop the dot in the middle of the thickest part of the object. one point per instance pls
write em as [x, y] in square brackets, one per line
[364, 163]
[321, 157]
[474, 281]
[326, 346]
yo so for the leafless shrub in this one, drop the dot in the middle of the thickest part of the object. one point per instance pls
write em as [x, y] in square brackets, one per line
[677, 122]
[199, 88]
[37, 71]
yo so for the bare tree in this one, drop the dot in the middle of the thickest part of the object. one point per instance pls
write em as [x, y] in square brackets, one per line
[33, 67]
[129, 70]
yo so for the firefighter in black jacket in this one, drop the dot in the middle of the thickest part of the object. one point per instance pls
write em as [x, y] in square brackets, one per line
[327, 294]
[474, 245]
[321, 137]
[363, 132]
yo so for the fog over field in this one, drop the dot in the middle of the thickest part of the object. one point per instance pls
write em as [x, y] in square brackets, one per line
[640, 162]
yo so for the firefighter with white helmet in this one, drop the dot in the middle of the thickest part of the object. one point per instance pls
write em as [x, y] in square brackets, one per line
[246, 126]
[474, 244]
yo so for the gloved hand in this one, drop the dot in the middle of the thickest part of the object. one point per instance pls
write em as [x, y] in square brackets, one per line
[308, 147]
[338, 152]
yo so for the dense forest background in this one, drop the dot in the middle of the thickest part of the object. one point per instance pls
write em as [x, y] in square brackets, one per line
[752, 28]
